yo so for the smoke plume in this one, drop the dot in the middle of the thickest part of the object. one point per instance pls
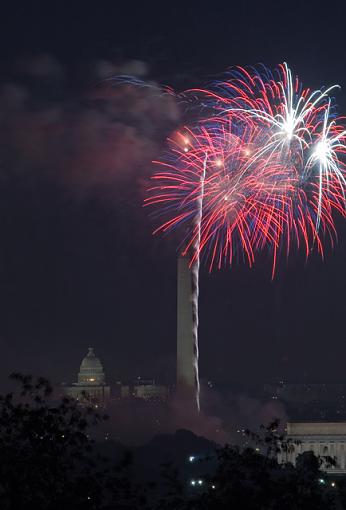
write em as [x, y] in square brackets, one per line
[70, 124]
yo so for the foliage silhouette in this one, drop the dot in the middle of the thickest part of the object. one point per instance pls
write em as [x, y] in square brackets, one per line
[49, 462]
[47, 455]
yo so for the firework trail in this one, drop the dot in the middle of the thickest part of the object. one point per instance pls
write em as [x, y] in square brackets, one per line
[263, 170]
[195, 279]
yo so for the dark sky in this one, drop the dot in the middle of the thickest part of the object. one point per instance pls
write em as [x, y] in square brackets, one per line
[78, 265]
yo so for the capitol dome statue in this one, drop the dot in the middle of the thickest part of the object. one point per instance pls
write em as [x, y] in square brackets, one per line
[91, 370]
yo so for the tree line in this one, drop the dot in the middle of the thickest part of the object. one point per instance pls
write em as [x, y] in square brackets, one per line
[49, 461]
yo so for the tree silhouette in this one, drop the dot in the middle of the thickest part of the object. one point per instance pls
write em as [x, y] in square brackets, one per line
[49, 462]
[47, 455]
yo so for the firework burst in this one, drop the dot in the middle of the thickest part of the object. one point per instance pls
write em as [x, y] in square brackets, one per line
[264, 170]
[268, 164]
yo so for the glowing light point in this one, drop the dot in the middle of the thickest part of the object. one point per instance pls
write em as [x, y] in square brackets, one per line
[288, 126]
[321, 151]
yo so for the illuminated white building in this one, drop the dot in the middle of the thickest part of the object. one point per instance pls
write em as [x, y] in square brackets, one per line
[145, 389]
[149, 390]
[324, 439]
[91, 386]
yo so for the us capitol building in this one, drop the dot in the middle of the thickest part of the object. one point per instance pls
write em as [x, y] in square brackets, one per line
[91, 387]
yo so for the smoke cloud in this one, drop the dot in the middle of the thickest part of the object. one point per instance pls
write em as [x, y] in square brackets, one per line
[69, 124]
[222, 419]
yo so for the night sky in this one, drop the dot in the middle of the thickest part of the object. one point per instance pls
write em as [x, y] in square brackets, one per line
[78, 264]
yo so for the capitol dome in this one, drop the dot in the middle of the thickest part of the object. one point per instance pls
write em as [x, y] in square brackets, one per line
[91, 370]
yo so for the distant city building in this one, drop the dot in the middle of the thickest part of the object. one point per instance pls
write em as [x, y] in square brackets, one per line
[91, 386]
[149, 390]
[324, 439]
[145, 389]
[125, 391]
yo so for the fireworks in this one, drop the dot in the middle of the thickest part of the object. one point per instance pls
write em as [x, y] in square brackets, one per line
[261, 170]
[264, 170]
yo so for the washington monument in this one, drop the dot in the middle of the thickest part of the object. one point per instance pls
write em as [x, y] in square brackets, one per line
[186, 377]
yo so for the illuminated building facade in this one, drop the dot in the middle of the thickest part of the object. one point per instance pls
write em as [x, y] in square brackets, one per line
[145, 389]
[324, 439]
[91, 387]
